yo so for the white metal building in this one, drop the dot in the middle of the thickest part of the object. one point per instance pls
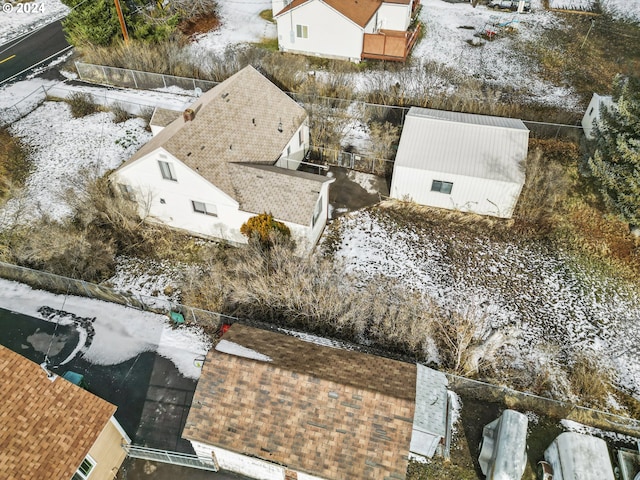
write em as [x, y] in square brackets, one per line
[460, 161]
[593, 112]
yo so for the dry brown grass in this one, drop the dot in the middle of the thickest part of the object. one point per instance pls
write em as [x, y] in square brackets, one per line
[14, 163]
[590, 380]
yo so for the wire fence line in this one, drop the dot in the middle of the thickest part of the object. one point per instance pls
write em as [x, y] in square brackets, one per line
[127, 78]
[553, 408]
[23, 107]
[68, 286]
[213, 320]
[124, 77]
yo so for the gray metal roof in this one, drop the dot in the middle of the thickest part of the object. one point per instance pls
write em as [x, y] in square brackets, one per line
[574, 455]
[430, 417]
[464, 144]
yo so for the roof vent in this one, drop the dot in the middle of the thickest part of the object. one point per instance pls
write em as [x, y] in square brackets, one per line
[280, 126]
[188, 115]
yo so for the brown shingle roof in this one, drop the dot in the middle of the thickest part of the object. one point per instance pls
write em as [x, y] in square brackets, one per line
[358, 11]
[333, 413]
[46, 428]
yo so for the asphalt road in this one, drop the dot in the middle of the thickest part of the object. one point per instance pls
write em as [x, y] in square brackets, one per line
[20, 55]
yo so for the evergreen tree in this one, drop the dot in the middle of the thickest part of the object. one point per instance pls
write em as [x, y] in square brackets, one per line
[96, 22]
[615, 165]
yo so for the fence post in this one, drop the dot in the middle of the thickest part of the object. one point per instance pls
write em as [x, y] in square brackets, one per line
[133, 74]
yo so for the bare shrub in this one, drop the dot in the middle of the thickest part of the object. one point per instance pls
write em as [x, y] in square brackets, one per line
[82, 104]
[456, 332]
[58, 248]
[590, 379]
[15, 163]
[384, 139]
[120, 114]
[545, 186]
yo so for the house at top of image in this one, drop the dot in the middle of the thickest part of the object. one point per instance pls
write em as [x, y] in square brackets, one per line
[276, 407]
[52, 429]
[347, 29]
[232, 155]
[597, 103]
[461, 161]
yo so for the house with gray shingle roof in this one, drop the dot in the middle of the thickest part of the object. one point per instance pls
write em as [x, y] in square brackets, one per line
[232, 155]
[273, 406]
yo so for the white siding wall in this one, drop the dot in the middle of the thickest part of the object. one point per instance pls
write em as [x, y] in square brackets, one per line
[234, 462]
[296, 149]
[478, 195]
[394, 16]
[177, 210]
[329, 33]
[593, 112]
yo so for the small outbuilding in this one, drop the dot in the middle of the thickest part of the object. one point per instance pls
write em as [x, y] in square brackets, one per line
[597, 103]
[461, 161]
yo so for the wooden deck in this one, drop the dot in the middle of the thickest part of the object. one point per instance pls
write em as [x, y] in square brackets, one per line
[393, 45]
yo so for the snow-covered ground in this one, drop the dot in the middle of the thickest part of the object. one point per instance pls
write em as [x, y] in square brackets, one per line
[240, 23]
[66, 151]
[533, 296]
[121, 333]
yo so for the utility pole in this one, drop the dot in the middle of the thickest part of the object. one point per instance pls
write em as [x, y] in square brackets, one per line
[123, 26]
[593, 21]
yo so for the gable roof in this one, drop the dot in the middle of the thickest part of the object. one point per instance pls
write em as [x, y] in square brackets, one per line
[286, 194]
[245, 120]
[46, 428]
[323, 411]
[358, 11]
[465, 144]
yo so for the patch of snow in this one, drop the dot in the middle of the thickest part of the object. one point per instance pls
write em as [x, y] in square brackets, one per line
[17, 23]
[623, 9]
[322, 341]
[365, 180]
[66, 152]
[121, 333]
[571, 426]
[157, 281]
[455, 406]
[240, 23]
[536, 297]
[232, 348]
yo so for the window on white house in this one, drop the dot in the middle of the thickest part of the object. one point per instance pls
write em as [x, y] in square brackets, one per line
[302, 31]
[442, 187]
[300, 138]
[127, 191]
[316, 212]
[591, 111]
[206, 208]
[168, 173]
[85, 469]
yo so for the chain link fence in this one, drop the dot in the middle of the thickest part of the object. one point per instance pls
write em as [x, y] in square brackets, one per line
[351, 161]
[22, 107]
[69, 286]
[124, 77]
[552, 408]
